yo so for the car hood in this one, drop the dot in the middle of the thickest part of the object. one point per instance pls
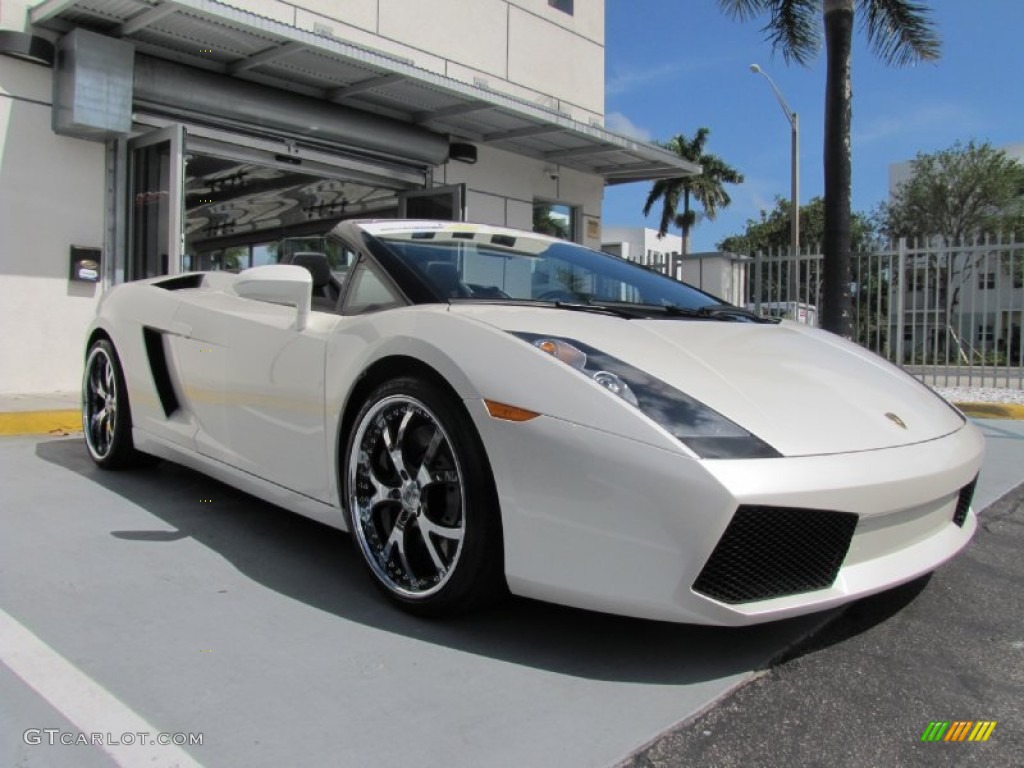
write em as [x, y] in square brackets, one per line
[803, 391]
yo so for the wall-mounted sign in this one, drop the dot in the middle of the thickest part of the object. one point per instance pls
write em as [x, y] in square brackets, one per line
[85, 264]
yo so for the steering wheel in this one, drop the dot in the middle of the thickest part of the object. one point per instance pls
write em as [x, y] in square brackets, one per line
[559, 294]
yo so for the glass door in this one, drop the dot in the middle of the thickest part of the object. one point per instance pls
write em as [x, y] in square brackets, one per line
[154, 203]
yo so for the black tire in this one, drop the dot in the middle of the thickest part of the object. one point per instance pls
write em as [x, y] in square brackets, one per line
[106, 413]
[421, 502]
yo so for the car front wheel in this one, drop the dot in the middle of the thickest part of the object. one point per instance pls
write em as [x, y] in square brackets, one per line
[421, 501]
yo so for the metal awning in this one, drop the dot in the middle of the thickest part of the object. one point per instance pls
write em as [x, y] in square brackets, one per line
[219, 38]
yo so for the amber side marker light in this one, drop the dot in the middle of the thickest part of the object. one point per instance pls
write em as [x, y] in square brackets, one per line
[509, 412]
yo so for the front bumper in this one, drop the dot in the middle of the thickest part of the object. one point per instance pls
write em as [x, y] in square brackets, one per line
[602, 522]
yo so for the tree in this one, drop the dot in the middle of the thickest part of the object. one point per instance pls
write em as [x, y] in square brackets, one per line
[546, 222]
[771, 233]
[957, 193]
[707, 189]
[900, 32]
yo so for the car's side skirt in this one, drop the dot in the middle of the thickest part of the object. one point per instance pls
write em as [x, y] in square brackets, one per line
[243, 481]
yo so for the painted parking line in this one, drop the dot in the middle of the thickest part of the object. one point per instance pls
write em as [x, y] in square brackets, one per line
[104, 721]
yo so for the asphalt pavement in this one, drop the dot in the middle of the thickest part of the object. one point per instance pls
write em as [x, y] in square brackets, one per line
[863, 689]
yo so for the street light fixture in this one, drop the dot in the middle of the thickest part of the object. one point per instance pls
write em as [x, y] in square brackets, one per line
[794, 227]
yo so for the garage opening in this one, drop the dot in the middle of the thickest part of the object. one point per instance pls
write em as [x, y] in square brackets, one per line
[239, 215]
[201, 198]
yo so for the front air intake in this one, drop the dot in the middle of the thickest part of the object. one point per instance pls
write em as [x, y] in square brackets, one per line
[769, 552]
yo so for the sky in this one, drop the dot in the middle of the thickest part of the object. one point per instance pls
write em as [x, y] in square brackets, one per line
[673, 66]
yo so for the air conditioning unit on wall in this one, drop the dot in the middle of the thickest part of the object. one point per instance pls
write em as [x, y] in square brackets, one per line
[92, 86]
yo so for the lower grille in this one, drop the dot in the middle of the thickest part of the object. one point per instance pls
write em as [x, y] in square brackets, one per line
[963, 503]
[769, 552]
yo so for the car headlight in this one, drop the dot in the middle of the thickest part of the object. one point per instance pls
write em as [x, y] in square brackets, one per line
[702, 429]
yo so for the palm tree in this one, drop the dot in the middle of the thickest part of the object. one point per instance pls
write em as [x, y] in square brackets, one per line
[705, 188]
[900, 32]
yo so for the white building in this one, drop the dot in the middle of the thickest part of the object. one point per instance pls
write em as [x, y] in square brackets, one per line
[146, 137]
[641, 244]
[720, 274]
[962, 303]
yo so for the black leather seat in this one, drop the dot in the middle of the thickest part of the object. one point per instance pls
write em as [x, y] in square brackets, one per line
[325, 293]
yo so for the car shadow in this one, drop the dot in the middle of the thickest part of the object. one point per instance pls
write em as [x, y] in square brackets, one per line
[856, 619]
[317, 565]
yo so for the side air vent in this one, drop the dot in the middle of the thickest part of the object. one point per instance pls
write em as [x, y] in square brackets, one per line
[181, 282]
[963, 503]
[158, 367]
[769, 552]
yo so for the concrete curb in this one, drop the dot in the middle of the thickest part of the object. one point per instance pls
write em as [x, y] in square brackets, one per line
[992, 410]
[70, 421]
[40, 422]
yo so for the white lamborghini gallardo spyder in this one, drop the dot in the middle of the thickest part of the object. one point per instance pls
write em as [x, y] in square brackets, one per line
[488, 410]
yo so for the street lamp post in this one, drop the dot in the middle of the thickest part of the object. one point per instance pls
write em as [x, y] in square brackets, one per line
[794, 214]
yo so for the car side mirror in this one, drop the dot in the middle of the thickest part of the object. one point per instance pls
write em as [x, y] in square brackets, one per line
[279, 284]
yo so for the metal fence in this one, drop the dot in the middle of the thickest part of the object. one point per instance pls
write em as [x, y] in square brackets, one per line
[949, 313]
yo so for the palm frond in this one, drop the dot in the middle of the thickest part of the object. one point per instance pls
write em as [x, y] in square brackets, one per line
[794, 29]
[668, 211]
[900, 32]
[700, 138]
[704, 188]
[657, 192]
[743, 10]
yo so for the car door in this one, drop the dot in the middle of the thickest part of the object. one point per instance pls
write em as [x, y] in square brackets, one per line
[255, 385]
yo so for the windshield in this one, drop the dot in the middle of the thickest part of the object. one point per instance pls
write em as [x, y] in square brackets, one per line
[463, 261]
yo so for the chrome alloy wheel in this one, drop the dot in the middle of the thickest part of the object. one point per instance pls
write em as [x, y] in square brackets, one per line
[99, 403]
[407, 496]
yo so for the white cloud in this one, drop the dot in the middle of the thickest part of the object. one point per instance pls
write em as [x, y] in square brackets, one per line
[916, 120]
[623, 78]
[628, 79]
[619, 123]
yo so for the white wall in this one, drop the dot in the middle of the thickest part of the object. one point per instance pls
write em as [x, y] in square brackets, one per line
[13, 14]
[721, 274]
[51, 197]
[642, 243]
[524, 48]
[52, 188]
[501, 189]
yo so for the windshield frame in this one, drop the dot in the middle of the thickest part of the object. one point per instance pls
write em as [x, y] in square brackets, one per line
[404, 249]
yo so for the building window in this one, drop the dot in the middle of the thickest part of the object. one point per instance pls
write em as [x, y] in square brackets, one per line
[565, 6]
[1018, 277]
[555, 219]
[986, 333]
[986, 280]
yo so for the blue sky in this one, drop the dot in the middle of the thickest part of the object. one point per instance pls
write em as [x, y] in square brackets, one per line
[673, 66]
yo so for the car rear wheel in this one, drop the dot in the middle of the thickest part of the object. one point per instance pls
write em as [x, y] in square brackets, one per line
[421, 501]
[106, 416]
